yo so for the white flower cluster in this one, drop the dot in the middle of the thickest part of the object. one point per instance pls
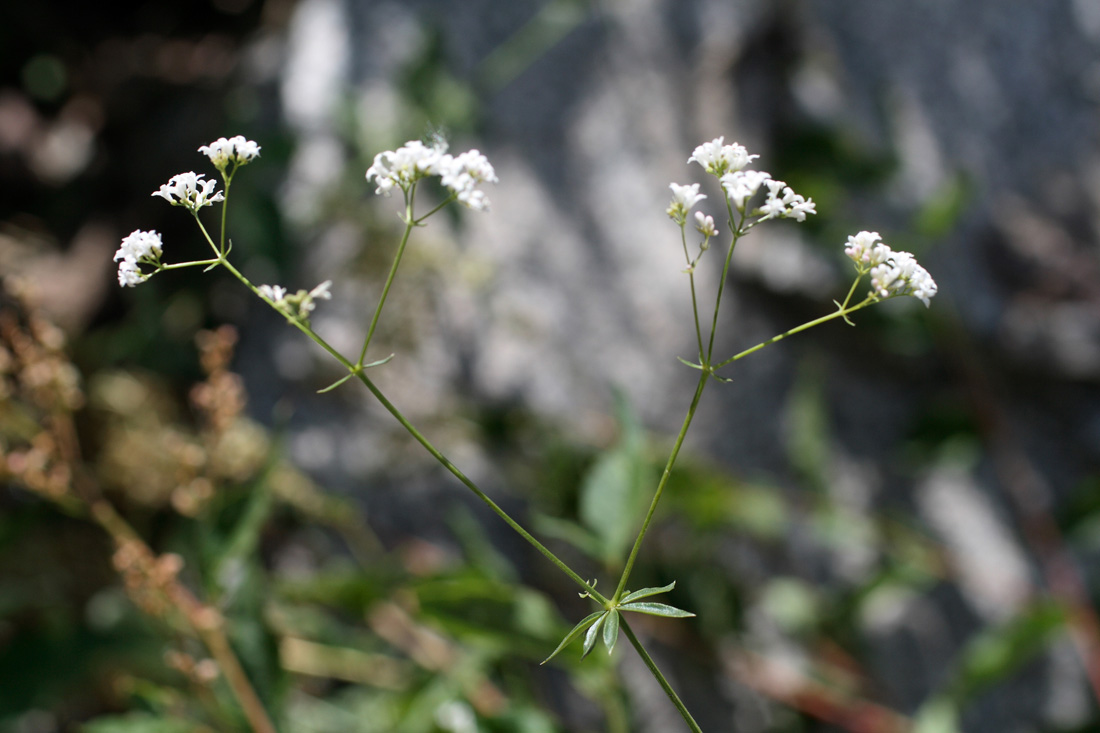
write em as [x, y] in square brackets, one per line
[463, 172]
[300, 304]
[718, 159]
[236, 150]
[413, 161]
[684, 199]
[727, 162]
[784, 203]
[137, 247]
[190, 190]
[892, 273]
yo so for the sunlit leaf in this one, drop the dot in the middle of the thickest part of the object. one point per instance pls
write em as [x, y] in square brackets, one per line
[646, 592]
[656, 609]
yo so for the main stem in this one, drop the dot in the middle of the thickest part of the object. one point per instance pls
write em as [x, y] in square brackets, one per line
[707, 371]
[703, 377]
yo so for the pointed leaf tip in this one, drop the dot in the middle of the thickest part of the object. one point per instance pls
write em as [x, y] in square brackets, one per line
[574, 633]
[656, 609]
[646, 592]
[593, 634]
[611, 630]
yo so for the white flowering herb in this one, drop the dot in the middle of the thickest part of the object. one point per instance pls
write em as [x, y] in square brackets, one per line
[414, 161]
[890, 274]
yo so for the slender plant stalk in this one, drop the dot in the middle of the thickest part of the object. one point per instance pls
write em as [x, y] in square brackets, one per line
[840, 313]
[409, 224]
[661, 486]
[468, 483]
[656, 672]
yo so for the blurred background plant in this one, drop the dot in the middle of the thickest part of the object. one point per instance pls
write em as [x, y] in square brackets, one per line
[879, 528]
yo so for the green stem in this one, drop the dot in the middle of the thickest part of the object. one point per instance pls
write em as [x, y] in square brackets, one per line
[722, 282]
[694, 299]
[225, 209]
[409, 224]
[839, 313]
[851, 290]
[659, 677]
[703, 377]
[438, 206]
[195, 263]
[206, 234]
[446, 463]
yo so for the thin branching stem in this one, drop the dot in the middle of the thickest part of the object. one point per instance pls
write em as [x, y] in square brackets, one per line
[409, 224]
[703, 377]
[656, 672]
[839, 313]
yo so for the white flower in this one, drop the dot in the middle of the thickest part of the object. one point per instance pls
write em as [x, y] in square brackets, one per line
[684, 199]
[321, 292]
[298, 305]
[740, 186]
[705, 225]
[139, 245]
[406, 165]
[129, 274]
[798, 207]
[901, 274]
[274, 293]
[866, 249]
[236, 150]
[718, 159]
[463, 173]
[783, 202]
[190, 190]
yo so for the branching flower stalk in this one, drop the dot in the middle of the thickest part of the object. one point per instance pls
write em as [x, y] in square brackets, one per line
[890, 274]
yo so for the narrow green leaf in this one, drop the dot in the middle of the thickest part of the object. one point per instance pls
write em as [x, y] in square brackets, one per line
[656, 609]
[611, 630]
[593, 634]
[574, 633]
[691, 364]
[335, 384]
[380, 362]
[647, 592]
